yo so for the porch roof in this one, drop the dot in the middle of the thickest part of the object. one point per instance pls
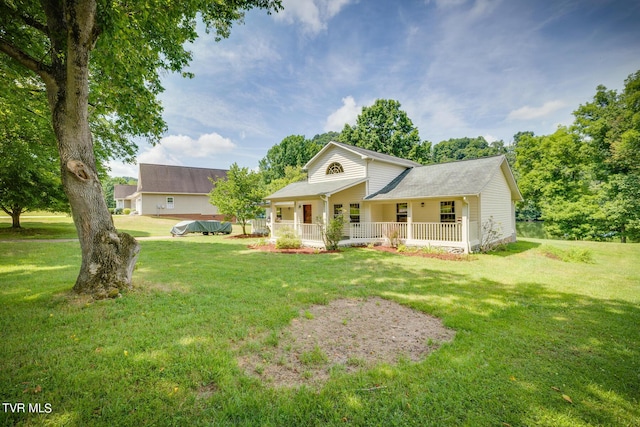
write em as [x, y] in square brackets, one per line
[463, 178]
[304, 189]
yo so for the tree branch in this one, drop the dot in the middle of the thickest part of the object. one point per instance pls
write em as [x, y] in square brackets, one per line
[26, 60]
[28, 20]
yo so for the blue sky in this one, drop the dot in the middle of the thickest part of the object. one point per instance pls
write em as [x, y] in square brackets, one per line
[458, 67]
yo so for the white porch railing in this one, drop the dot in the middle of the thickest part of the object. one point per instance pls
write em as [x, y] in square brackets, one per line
[372, 231]
[259, 226]
[306, 232]
[437, 231]
[378, 230]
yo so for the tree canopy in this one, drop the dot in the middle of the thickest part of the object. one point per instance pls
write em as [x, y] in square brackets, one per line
[106, 58]
[239, 195]
[29, 178]
[294, 150]
[385, 128]
[466, 148]
[585, 180]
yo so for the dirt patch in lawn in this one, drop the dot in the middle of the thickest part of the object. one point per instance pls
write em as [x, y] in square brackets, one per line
[344, 336]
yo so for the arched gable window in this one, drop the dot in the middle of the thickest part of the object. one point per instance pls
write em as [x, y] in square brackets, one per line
[334, 167]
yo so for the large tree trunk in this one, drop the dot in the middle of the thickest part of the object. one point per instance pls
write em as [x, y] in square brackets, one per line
[108, 257]
[15, 217]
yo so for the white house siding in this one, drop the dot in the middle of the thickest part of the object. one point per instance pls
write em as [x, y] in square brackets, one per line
[473, 208]
[182, 204]
[353, 165]
[430, 212]
[495, 201]
[317, 209]
[354, 194]
[380, 174]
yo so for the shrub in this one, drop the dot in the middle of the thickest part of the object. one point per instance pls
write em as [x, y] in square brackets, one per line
[332, 233]
[392, 234]
[287, 239]
[433, 250]
[126, 211]
[112, 210]
[491, 232]
[118, 211]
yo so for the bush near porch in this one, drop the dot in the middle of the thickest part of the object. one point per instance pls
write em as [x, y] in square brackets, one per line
[540, 341]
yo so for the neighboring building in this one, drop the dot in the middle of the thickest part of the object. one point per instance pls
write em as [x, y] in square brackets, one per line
[177, 191]
[121, 193]
[443, 204]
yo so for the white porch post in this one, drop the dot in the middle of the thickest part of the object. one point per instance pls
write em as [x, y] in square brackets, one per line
[272, 218]
[410, 221]
[296, 215]
[325, 212]
[465, 225]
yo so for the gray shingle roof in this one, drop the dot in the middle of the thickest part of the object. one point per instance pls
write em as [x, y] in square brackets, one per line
[121, 191]
[463, 178]
[176, 179]
[304, 189]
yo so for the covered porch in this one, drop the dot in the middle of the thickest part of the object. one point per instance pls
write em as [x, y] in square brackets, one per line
[422, 234]
[445, 223]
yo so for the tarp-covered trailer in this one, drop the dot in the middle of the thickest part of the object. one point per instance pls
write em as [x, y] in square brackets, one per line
[204, 227]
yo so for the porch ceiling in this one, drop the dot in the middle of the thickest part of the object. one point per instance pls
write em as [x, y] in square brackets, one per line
[303, 189]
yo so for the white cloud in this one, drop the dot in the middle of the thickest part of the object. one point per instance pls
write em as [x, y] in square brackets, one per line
[529, 113]
[119, 168]
[490, 138]
[312, 14]
[348, 113]
[206, 145]
[174, 149]
[443, 4]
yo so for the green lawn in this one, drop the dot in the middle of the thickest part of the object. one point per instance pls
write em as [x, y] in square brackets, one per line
[532, 332]
[61, 226]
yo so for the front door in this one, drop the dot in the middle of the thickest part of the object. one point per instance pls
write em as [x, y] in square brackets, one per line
[306, 214]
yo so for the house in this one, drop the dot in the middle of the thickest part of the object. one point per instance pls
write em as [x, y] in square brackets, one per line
[383, 197]
[176, 191]
[121, 194]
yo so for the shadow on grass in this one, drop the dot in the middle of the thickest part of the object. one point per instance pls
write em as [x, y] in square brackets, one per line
[518, 348]
[515, 248]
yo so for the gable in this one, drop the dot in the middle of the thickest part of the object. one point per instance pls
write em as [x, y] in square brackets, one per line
[356, 162]
[352, 165]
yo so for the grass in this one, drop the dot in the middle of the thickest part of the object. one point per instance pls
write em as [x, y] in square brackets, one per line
[530, 330]
[62, 227]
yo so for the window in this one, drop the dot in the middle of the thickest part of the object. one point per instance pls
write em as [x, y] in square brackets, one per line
[401, 212]
[354, 212]
[169, 202]
[337, 210]
[447, 212]
[334, 167]
[278, 214]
